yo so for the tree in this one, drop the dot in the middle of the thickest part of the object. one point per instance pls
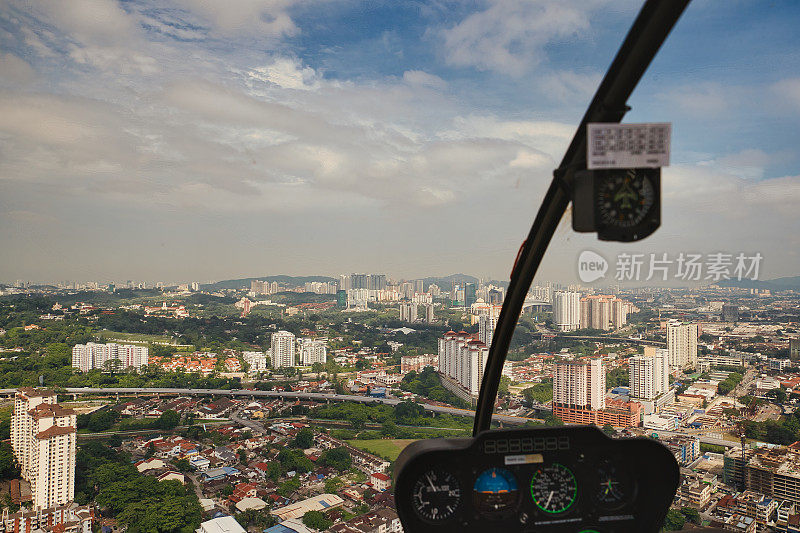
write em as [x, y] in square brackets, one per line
[338, 458]
[317, 520]
[9, 468]
[289, 486]
[304, 439]
[333, 484]
[169, 419]
[692, 515]
[674, 521]
[609, 430]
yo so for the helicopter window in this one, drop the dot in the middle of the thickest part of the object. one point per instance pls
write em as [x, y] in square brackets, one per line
[319, 204]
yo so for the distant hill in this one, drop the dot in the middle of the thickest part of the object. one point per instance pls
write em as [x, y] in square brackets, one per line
[245, 282]
[447, 282]
[777, 284]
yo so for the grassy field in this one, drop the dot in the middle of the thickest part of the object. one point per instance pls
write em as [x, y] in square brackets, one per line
[135, 338]
[390, 448]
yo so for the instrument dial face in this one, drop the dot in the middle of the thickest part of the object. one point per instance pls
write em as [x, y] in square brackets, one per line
[495, 490]
[624, 198]
[554, 488]
[615, 486]
[436, 495]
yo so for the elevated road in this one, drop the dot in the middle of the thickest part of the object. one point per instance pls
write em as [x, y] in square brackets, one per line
[242, 393]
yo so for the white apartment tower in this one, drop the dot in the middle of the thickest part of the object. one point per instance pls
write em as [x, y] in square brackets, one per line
[649, 373]
[282, 349]
[462, 359]
[312, 351]
[91, 355]
[486, 327]
[408, 312]
[566, 310]
[256, 361]
[682, 344]
[580, 384]
[43, 437]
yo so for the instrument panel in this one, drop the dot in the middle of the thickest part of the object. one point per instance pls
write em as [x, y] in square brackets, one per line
[546, 479]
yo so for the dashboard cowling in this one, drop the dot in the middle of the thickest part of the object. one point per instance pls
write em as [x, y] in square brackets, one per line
[565, 478]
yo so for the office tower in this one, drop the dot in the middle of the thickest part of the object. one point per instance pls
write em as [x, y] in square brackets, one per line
[434, 290]
[43, 437]
[486, 326]
[282, 349]
[419, 286]
[408, 312]
[109, 356]
[566, 310]
[580, 384]
[682, 344]
[341, 299]
[730, 313]
[312, 351]
[462, 360]
[649, 374]
[469, 294]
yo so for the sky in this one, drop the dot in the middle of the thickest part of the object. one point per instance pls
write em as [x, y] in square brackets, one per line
[197, 140]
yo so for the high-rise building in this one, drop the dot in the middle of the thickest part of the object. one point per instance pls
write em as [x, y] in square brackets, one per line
[462, 360]
[470, 296]
[604, 312]
[566, 310]
[256, 361]
[376, 282]
[486, 326]
[730, 313]
[282, 349]
[43, 438]
[794, 349]
[341, 299]
[358, 281]
[109, 356]
[649, 374]
[419, 286]
[408, 312]
[580, 384]
[312, 351]
[682, 344]
[429, 316]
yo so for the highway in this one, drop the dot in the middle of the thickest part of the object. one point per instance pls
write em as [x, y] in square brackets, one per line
[314, 396]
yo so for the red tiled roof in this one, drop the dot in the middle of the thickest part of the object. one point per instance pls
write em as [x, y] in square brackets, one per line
[55, 431]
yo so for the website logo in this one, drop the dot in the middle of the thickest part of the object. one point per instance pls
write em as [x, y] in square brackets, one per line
[591, 266]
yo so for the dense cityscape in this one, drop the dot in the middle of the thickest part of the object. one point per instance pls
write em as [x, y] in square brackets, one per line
[280, 403]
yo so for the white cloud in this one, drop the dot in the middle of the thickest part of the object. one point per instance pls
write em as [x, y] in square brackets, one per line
[264, 18]
[288, 73]
[16, 71]
[421, 78]
[704, 99]
[510, 35]
[788, 90]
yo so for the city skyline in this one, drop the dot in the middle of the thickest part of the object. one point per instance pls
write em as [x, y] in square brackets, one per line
[187, 140]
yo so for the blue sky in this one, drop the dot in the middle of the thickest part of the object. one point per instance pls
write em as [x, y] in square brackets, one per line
[195, 139]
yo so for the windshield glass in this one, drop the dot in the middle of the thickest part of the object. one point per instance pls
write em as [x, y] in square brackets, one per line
[260, 248]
